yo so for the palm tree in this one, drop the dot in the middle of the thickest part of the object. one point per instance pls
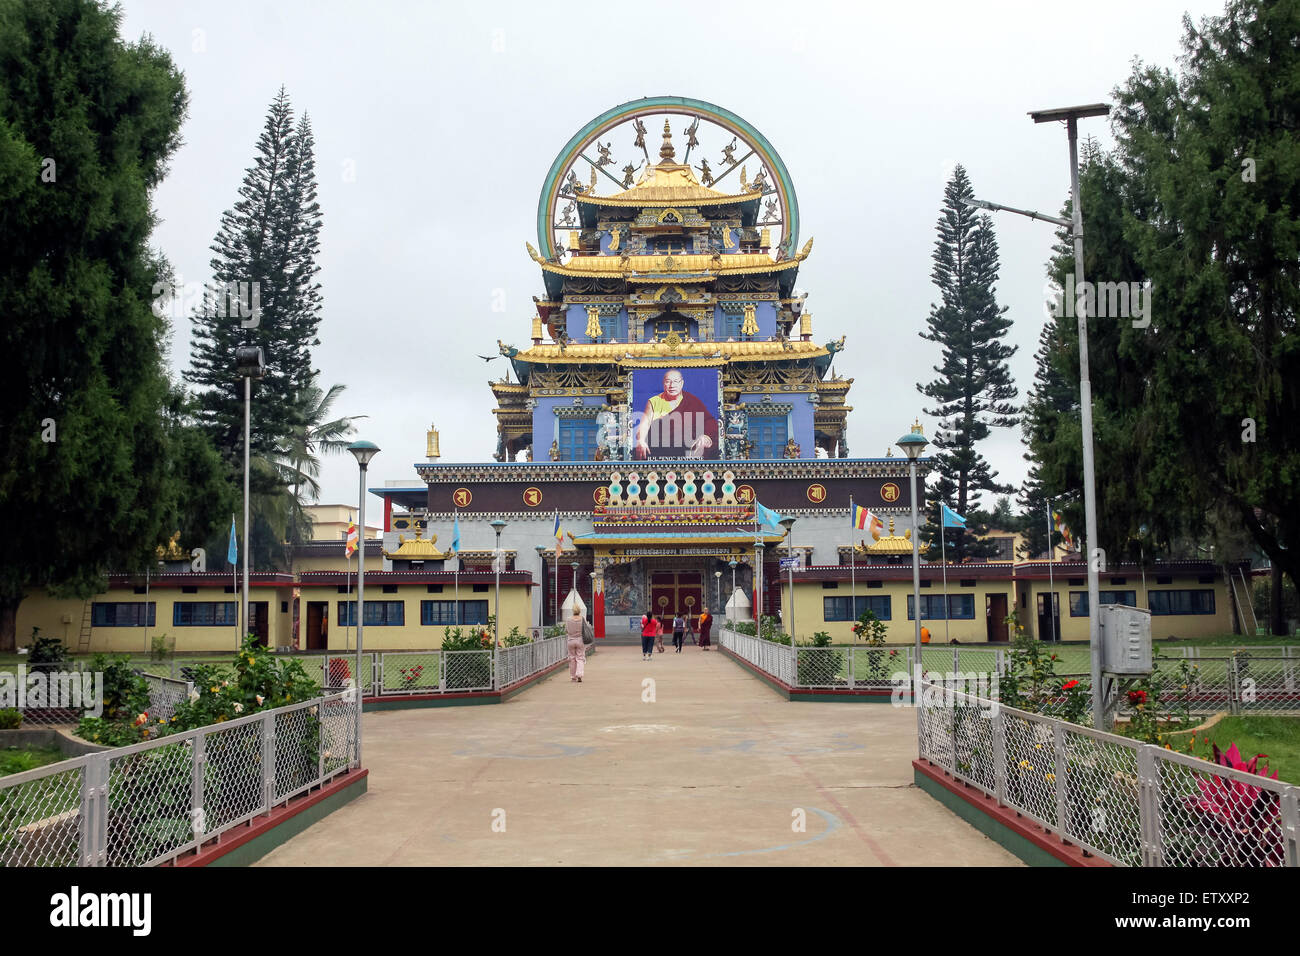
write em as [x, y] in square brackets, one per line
[299, 462]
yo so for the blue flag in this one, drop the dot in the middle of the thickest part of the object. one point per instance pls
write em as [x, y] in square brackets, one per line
[232, 552]
[455, 536]
[950, 518]
[766, 516]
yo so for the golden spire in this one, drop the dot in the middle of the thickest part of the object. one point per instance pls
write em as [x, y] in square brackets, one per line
[916, 428]
[805, 323]
[431, 449]
[667, 155]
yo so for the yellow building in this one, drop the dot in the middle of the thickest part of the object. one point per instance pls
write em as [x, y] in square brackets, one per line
[1186, 599]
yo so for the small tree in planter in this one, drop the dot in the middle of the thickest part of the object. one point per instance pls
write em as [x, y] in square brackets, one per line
[467, 670]
[872, 630]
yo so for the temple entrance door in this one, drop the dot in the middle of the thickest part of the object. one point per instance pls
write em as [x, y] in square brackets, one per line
[317, 625]
[676, 592]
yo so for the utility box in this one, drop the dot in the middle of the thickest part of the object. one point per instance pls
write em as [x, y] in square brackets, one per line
[1125, 639]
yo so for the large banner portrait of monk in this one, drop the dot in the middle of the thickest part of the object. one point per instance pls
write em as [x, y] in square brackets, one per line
[675, 413]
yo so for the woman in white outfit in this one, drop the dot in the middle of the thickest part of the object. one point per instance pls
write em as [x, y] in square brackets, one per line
[574, 629]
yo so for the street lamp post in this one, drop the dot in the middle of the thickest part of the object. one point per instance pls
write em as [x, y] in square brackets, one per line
[1071, 115]
[913, 444]
[758, 583]
[788, 524]
[576, 596]
[717, 576]
[251, 364]
[363, 451]
[498, 525]
[731, 616]
[541, 584]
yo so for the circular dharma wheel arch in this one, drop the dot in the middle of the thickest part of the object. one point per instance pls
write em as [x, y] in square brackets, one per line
[592, 158]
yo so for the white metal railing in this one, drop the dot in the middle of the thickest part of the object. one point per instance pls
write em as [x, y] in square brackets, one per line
[150, 802]
[1130, 803]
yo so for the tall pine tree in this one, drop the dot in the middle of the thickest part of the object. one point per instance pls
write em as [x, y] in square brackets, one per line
[973, 392]
[267, 242]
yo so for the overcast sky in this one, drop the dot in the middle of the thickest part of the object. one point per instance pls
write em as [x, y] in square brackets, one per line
[436, 123]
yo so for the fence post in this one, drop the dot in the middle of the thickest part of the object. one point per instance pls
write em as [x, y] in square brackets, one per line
[1149, 805]
[268, 761]
[94, 810]
[198, 762]
[999, 756]
[956, 662]
[1058, 773]
[1000, 662]
[320, 738]
[852, 666]
[1288, 669]
[1234, 691]
[1290, 803]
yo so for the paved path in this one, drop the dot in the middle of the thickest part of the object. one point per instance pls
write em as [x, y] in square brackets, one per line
[710, 772]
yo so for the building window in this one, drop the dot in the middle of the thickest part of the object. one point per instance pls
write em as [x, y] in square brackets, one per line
[189, 590]
[378, 613]
[731, 325]
[1079, 600]
[390, 588]
[967, 583]
[204, 613]
[480, 589]
[830, 585]
[577, 439]
[769, 435]
[444, 612]
[122, 614]
[875, 584]
[842, 608]
[961, 607]
[1181, 602]
[434, 588]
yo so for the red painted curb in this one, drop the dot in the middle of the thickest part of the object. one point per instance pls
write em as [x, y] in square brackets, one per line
[1045, 840]
[234, 839]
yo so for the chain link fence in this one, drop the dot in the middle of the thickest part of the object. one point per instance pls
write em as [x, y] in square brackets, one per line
[1130, 803]
[146, 804]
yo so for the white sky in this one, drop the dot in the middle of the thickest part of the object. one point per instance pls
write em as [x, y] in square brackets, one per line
[451, 114]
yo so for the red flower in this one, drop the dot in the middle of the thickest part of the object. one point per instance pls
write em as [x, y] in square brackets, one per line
[1137, 697]
[1069, 685]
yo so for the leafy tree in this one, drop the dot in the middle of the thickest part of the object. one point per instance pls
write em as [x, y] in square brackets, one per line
[973, 392]
[318, 435]
[93, 477]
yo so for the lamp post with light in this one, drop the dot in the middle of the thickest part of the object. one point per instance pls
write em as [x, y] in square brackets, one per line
[498, 526]
[788, 524]
[363, 451]
[913, 444]
[541, 582]
[731, 615]
[250, 364]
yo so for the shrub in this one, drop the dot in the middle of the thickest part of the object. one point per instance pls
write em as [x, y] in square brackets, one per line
[10, 719]
[819, 666]
[746, 627]
[260, 682]
[161, 647]
[515, 638]
[46, 653]
[467, 670]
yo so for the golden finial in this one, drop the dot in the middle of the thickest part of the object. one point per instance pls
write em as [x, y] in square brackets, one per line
[805, 323]
[431, 445]
[916, 428]
[537, 327]
[667, 154]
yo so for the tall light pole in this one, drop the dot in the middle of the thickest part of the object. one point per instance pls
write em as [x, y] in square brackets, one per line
[363, 451]
[758, 582]
[1071, 115]
[788, 524]
[717, 576]
[731, 616]
[498, 526]
[913, 444]
[251, 364]
[541, 584]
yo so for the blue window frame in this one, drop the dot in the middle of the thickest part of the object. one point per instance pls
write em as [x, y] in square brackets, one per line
[204, 613]
[378, 613]
[1181, 602]
[444, 612]
[1079, 600]
[961, 607]
[729, 327]
[838, 608]
[769, 435]
[577, 439]
[122, 614]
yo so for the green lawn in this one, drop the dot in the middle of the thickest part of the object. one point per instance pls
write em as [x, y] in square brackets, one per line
[18, 759]
[1278, 737]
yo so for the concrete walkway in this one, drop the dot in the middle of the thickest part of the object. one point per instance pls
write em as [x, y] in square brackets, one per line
[717, 769]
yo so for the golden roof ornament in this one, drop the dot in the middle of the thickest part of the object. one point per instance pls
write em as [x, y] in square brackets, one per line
[431, 444]
[173, 550]
[750, 325]
[805, 323]
[593, 322]
[667, 155]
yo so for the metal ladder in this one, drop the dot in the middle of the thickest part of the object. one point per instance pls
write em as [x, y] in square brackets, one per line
[83, 639]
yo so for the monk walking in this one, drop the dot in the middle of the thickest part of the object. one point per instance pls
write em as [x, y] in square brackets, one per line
[706, 623]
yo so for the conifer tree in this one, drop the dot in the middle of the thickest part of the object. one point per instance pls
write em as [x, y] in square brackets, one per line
[973, 392]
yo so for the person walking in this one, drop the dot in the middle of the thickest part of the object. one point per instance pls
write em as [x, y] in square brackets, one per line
[690, 627]
[706, 624]
[648, 624]
[574, 629]
[679, 632]
[659, 635]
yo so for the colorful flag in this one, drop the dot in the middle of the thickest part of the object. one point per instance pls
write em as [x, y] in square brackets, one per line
[1062, 530]
[455, 536]
[351, 546]
[950, 518]
[232, 552]
[863, 518]
[559, 535]
[766, 516]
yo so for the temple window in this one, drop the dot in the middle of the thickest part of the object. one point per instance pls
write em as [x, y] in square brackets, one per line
[769, 435]
[577, 439]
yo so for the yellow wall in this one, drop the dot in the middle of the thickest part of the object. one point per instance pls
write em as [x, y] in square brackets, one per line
[374, 562]
[49, 614]
[809, 608]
